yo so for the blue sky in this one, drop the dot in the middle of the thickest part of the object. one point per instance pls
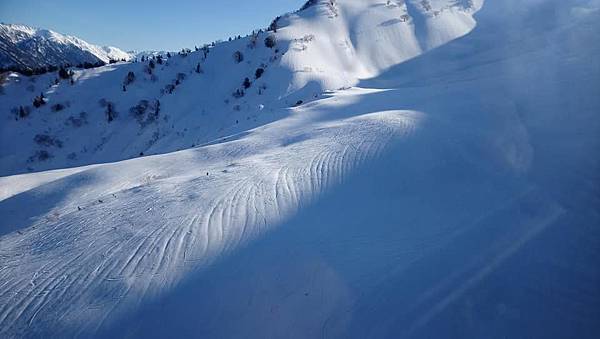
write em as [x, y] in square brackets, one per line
[150, 24]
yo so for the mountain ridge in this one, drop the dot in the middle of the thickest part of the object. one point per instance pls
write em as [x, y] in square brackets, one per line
[28, 47]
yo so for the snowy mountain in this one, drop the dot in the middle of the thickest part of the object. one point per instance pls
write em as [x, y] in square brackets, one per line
[368, 169]
[28, 47]
[315, 51]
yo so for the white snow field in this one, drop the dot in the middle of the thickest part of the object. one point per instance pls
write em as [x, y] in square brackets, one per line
[440, 179]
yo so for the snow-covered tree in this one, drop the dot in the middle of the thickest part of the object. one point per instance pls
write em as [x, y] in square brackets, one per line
[238, 57]
[270, 41]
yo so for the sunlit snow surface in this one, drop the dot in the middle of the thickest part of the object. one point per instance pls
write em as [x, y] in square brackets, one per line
[47, 47]
[450, 194]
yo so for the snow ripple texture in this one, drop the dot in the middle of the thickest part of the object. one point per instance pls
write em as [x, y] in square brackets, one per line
[135, 234]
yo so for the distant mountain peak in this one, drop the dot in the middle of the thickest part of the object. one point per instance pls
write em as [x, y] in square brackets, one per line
[28, 47]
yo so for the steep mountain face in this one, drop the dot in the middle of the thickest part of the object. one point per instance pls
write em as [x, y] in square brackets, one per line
[360, 39]
[398, 169]
[326, 46]
[30, 48]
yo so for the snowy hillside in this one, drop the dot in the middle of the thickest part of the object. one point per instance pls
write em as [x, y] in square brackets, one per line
[147, 54]
[28, 47]
[398, 169]
[202, 95]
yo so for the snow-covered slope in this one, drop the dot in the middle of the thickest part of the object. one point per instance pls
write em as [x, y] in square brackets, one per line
[453, 194]
[28, 47]
[324, 47]
[359, 39]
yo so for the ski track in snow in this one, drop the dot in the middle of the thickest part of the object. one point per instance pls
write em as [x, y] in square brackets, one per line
[123, 248]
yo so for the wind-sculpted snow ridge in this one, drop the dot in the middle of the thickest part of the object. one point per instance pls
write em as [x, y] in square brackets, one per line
[123, 234]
